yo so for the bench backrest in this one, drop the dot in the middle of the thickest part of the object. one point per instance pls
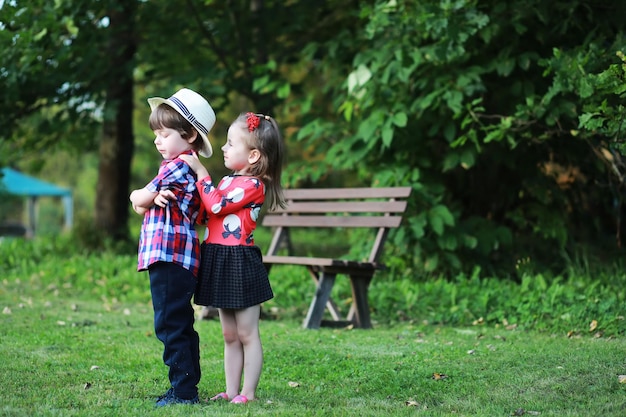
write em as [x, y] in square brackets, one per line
[377, 208]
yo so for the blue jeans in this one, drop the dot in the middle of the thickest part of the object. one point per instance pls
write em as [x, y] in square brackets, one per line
[172, 288]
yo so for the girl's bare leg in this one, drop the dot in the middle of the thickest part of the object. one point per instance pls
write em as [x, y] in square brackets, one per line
[248, 330]
[233, 352]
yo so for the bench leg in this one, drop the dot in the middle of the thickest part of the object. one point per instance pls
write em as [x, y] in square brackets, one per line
[318, 304]
[330, 305]
[360, 307]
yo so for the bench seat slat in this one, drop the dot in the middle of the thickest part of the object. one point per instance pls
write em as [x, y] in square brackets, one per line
[339, 265]
[344, 207]
[343, 193]
[271, 220]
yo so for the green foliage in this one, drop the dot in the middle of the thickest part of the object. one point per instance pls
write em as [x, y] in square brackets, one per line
[490, 110]
[538, 301]
[51, 72]
[104, 275]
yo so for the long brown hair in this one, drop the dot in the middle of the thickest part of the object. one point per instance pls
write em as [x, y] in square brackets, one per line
[266, 138]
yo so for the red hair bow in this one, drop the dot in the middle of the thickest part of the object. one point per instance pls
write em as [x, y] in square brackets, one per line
[253, 121]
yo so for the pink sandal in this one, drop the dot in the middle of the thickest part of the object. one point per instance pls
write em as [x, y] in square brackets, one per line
[220, 396]
[239, 399]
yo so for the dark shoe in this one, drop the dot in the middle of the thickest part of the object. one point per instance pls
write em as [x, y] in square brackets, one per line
[167, 394]
[170, 398]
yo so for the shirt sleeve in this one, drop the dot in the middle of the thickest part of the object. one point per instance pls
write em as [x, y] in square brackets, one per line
[231, 195]
[170, 174]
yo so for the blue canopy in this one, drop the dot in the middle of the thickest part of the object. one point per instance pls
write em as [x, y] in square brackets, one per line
[21, 184]
[14, 182]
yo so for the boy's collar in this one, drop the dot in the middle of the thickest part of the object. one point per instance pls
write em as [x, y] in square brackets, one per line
[188, 152]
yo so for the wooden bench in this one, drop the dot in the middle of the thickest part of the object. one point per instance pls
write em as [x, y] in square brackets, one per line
[379, 209]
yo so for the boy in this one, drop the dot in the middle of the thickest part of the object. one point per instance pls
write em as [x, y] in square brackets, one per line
[169, 247]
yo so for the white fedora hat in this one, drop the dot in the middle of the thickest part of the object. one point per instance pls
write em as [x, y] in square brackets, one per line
[193, 107]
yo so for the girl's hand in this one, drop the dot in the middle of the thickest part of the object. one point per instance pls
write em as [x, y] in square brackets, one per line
[194, 163]
[164, 197]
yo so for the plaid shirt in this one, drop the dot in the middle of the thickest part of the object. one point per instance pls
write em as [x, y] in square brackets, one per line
[168, 233]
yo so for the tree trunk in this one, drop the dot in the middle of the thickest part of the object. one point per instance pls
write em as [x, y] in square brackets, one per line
[117, 145]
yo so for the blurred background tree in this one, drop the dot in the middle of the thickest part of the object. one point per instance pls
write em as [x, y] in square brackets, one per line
[504, 116]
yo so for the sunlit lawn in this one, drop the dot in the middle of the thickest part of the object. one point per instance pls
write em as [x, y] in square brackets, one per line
[86, 357]
[76, 339]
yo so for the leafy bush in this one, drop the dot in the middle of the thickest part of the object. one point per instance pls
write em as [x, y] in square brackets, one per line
[574, 305]
[513, 145]
[581, 303]
[60, 268]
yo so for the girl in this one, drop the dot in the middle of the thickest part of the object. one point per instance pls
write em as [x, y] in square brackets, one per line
[232, 275]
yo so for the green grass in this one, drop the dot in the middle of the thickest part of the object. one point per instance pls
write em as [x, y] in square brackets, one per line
[76, 339]
[50, 348]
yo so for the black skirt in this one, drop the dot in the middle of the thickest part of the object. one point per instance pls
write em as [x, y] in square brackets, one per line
[232, 277]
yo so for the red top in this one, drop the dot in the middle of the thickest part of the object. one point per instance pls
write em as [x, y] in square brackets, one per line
[231, 208]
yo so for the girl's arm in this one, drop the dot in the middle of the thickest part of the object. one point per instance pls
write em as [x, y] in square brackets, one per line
[230, 197]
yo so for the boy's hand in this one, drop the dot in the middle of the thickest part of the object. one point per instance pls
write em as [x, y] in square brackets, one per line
[164, 197]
